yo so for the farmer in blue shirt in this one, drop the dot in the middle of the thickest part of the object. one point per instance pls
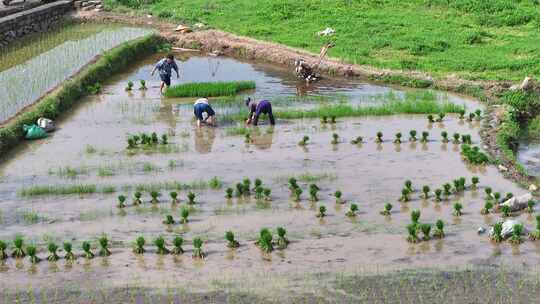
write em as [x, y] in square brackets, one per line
[256, 108]
[165, 67]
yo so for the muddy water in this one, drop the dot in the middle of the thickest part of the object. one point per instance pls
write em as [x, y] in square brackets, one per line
[529, 156]
[94, 135]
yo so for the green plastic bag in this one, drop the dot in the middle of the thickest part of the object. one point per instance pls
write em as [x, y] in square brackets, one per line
[34, 132]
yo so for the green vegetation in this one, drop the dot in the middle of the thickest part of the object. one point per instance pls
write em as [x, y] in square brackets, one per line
[68, 249]
[53, 256]
[352, 211]
[412, 231]
[87, 248]
[265, 240]
[178, 241]
[3, 249]
[516, 234]
[439, 229]
[322, 212]
[104, 246]
[209, 89]
[488, 205]
[159, 242]
[231, 241]
[32, 251]
[534, 235]
[387, 209]
[282, 241]
[18, 251]
[457, 209]
[138, 247]
[197, 250]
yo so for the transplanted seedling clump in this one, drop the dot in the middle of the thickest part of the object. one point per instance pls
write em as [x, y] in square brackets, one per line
[3, 248]
[439, 229]
[387, 209]
[178, 241]
[265, 240]
[231, 241]
[516, 234]
[104, 246]
[159, 242]
[139, 245]
[53, 256]
[87, 248]
[352, 211]
[197, 250]
[18, 251]
[32, 254]
[535, 235]
[282, 241]
[322, 212]
[68, 248]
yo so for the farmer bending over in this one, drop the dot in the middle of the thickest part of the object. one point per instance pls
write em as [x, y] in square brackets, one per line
[165, 67]
[256, 108]
[201, 106]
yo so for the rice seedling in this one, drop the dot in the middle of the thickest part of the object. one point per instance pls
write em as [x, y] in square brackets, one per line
[447, 189]
[169, 220]
[154, 138]
[229, 193]
[142, 85]
[178, 241]
[497, 232]
[438, 194]
[137, 198]
[138, 247]
[282, 241]
[297, 194]
[478, 113]
[357, 140]
[259, 193]
[267, 192]
[426, 231]
[338, 196]
[408, 185]
[439, 229]
[231, 242]
[322, 212]
[191, 198]
[335, 139]
[412, 135]
[324, 119]
[488, 191]
[397, 140]
[425, 191]
[471, 117]
[473, 154]
[430, 118]
[3, 249]
[424, 138]
[257, 183]
[239, 189]
[86, 247]
[304, 141]
[352, 211]
[412, 237]
[415, 216]
[441, 117]
[121, 201]
[405, 195]
[164, 139]
[129, 86]
[184, 214]
[530, 206]
[247, 138]
[174, 197]
[131, 143]
[265, 240]
[466, 139]
[209, 89]
[68, 248]
[505, 210]
[387, 209]
[508, 196]
[247, 186]
[535, 235]
[516, 234]
[475, 180]
[313, 190]
[104, 246]
[379, 138]
[461, 113]
[444, 136]
[293, 185]
[159, 242]
[197, 250]
[53, 256]
[18, 251]
[333, 120]
[488, 205]
[456, 137]
[457, 209]
[154, 194]
[32, 254]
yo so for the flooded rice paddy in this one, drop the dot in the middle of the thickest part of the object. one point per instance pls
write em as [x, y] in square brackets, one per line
[89, 149]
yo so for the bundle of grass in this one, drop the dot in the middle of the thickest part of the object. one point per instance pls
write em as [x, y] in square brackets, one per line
[488, 192]
[415, 217]
[164, 139]
[488, 205]
[174, 197]
[379, 138]
[444, 136]
[53, 256]
[397, 140]
[505, 210]
[265, 240]
[142, 85]
[247, 138]
[87, 248]
[324, 119]
[121, 201]
[459, 185]
[178, 241]
[18, 251]
[412, 135]
[129, 86]
[184, 214]
[426, 231]
[293, 185]
[412, 230]
[430, 118]
[335, 139]
[247, 186]
[32, 254]
[297, 194]
[231, 242]
[475, 180]
[138, 247]
[338, 196]
[478, 114]
[425, 191]
[438, 195]
[197, 250]
[3, 249]
[408, 185]
[322, 212]
[387, 209]
[159, 242]
[68, 249]
[466, 139]
[257, 183]
[154, 195]
[313, 190]
[137, 198]
[535, 235]
[282, 241]
[259, 193]
[191, 198]
[457, 209]
[104, 246]
[497, 232]
[154, 138]
[239, 189]
[471, 117]
[530, 206]
[229, 193]
[405, 195]
[516, 234]
[497, 197]
[357, 140]
[456, 137]
[333, 120]
[169, 220]
[441, 117]
[209, 89]
[447, 189]
[304, 141]
[424, 138]
[352, 211]
[267, 192]
[439, 229]
[461, 113]
[473, 155]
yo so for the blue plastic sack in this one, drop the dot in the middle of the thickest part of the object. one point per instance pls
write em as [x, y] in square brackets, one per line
[34, 132]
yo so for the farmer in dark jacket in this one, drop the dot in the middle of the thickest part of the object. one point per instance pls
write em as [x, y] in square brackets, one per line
[256, 108]
[165, 67]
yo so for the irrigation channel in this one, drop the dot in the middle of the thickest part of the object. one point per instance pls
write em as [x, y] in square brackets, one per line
[89, 152]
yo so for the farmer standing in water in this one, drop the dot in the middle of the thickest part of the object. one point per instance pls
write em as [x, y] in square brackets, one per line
[256, 108]
[165, 67]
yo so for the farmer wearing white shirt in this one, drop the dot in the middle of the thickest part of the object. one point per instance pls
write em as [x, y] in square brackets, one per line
[201, 106]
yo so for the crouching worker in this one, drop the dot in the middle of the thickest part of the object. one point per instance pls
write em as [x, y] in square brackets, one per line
[200, 107]
[256, 108]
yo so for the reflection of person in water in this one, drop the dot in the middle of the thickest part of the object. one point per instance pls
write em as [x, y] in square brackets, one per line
[262, 139]
[204, 139]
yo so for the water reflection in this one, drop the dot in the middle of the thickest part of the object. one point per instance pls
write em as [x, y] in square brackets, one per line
[204, 139]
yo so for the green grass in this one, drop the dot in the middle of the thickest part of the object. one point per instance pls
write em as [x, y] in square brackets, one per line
[437, 36]
[58, 190]
[209, 89]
